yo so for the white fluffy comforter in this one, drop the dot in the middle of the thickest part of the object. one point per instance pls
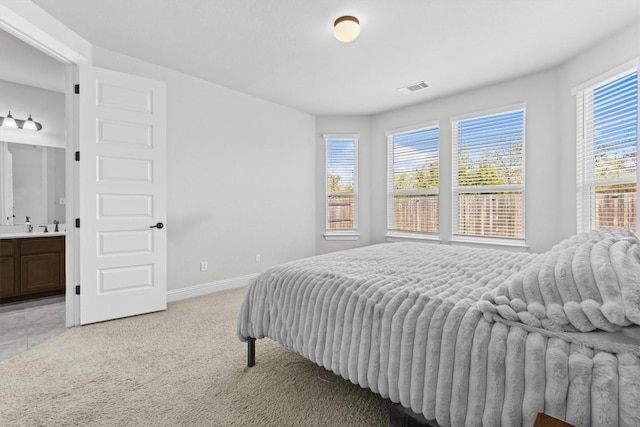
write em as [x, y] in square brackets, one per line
[467, 336]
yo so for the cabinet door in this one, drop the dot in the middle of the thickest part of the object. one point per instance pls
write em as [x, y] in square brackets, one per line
[41, 245]
[41, 272]
[7, 269]
[7, 277]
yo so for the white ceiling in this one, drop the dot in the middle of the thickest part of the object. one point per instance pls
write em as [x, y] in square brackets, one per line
[284, 50]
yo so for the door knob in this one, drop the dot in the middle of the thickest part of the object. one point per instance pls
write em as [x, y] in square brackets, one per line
[158, 225]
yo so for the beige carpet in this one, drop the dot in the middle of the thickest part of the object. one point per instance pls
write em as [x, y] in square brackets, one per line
[181, 367]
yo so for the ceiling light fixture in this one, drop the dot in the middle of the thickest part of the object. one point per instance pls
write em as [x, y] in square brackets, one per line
[11, 123]
[346, 28]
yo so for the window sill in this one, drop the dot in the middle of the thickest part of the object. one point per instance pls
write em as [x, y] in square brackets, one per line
[399, 237]
[517, 245]
[341, 236]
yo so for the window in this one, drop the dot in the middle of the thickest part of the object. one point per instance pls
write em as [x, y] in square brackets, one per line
[607, 147]
[488, 176]
[341, 186]
[413, 181]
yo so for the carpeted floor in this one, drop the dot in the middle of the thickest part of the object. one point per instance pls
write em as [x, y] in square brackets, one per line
[181, 367]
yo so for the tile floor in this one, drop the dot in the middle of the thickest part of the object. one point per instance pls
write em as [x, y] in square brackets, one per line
[28, 323]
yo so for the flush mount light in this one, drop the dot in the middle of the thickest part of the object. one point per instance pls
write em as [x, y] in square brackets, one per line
[346, 28]
[11, 123]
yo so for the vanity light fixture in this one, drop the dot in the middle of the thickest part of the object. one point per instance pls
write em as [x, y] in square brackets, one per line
[11, 123]
[30, 124]
[346, 28]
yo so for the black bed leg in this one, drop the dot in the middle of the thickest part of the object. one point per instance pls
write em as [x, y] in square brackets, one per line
[251, 352]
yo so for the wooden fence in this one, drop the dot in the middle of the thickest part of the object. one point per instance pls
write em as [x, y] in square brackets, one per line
[416, 213]
[616, 210]
[479, 214]
[498, 215]
[340, 213]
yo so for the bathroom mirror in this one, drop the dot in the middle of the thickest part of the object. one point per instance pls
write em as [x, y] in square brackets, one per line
[32, 183]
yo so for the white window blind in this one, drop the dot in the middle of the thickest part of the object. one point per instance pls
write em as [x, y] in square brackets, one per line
[413, 181]
[488, 175]
[341, 184]
[607, 149]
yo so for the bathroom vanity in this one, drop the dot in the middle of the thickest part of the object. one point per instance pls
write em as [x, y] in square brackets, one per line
[31, 266]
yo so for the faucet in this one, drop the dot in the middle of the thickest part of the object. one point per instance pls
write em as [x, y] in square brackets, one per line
[56, 222]
[45, 228]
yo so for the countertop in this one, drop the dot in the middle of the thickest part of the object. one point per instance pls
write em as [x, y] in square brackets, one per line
[33, 234]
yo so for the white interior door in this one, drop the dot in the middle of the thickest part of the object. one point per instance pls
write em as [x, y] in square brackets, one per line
[122, 186]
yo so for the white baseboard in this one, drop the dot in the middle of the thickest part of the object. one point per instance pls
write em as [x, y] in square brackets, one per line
[207, 288]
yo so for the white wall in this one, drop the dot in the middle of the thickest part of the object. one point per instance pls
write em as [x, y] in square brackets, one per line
[346, 125]
[541, 141]
[45, 106]
[24, 64]
[550, 143]
[240, 177]
[250, 179]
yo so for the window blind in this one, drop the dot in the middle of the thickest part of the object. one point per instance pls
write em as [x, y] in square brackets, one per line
[607, 147]
[488, 175]
[341, 184]
[413, 181]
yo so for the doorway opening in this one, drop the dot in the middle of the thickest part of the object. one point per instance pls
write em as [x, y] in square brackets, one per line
[33, 198]
[118, 122]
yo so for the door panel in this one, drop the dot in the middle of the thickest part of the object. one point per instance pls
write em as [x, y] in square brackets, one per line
[41, 272]
[125, 206]
[130, 242]
[112, 132]
[117, 96]
[122, 180]
[124, 170]
[125, 278]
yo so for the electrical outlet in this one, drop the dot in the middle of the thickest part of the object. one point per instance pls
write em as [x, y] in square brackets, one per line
[258, 258]
[204, 266]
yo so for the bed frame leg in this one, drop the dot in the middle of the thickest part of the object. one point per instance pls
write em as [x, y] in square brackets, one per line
[251, 352]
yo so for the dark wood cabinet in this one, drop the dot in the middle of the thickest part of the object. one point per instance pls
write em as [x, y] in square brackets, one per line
[8, 273]
[31, 267]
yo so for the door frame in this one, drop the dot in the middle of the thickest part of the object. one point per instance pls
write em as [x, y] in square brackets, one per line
[48, 35]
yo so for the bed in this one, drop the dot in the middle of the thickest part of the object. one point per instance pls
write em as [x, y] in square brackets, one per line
[468, 336]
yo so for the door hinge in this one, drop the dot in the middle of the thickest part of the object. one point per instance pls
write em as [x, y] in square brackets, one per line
[77, 289]
[77, 156]
[76, 88]
[77, 222]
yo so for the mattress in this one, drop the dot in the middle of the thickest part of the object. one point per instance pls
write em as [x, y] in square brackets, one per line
[460, 334]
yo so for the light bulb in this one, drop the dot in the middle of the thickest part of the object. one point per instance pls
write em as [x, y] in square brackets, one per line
[29, 124]
[9, 121]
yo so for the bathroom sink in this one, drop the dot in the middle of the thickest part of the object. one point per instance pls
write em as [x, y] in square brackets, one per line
[20, 234]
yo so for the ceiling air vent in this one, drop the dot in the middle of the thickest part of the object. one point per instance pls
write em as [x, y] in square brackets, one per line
[415, 87]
